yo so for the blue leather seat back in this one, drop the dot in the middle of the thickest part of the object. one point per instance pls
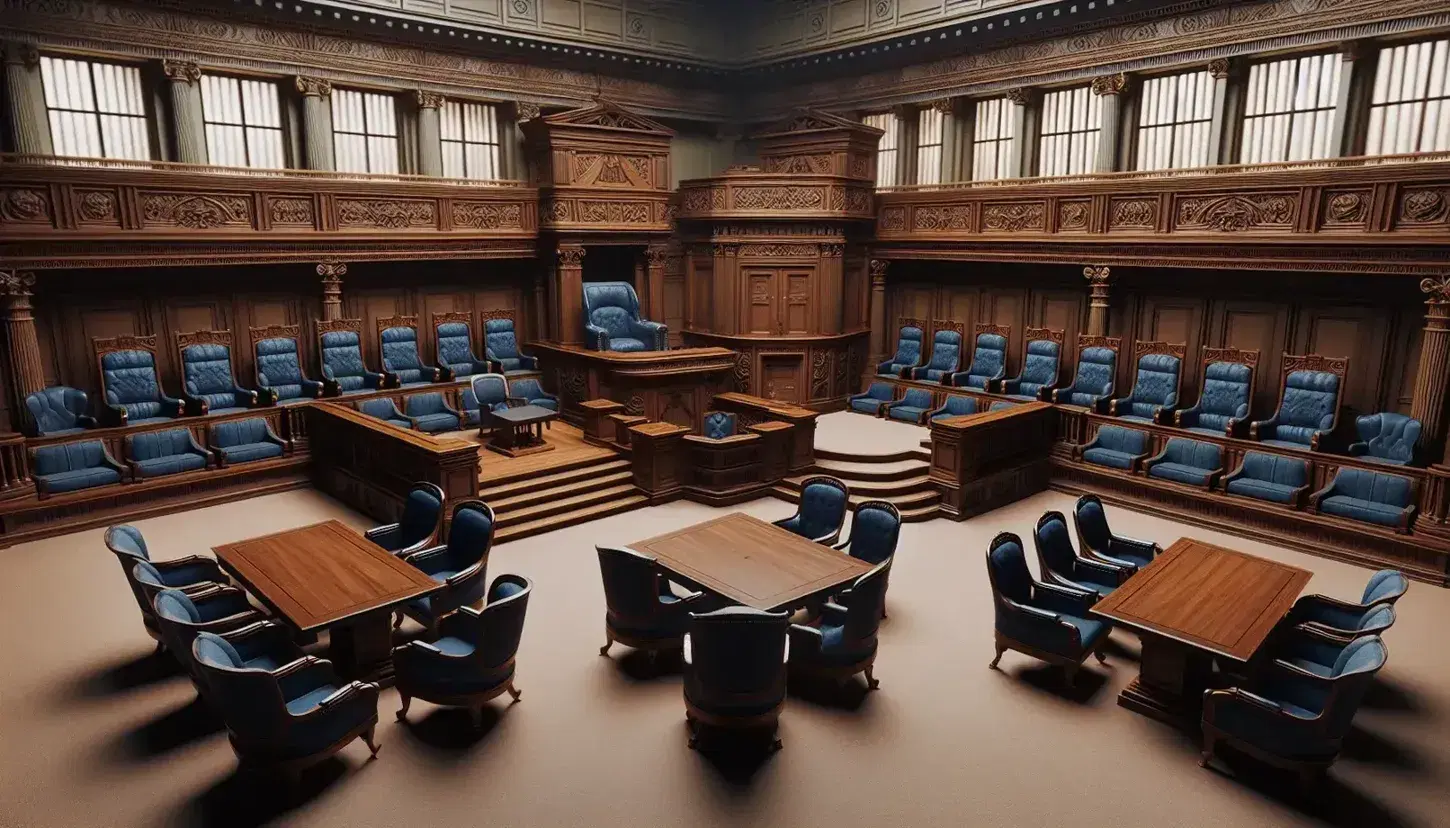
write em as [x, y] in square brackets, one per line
[1353, 672]
[612, 306]
[65, 457]
[916, 398]
[883, 391]
[1311, 399]
[874, 534]
[1285, 471]
[946, 354]
[421, 405]
[502, 620]
[455, 346]
[1095, 370]
[421, 511]
[1092, 525]
[1010, 576]
[207, 369]
[908, 346]
[342, 359]
[527, 389]
[1385, 585]
[1055, 545]
[1225, 394]
[1126, 440]
[1194, 453]
[383, 408]
[130, 380]
[988, 359]
[1389, 436]
[470, 536]
[719, 425]
[956, 406]
[278, 367]
[822, 510]
[57, 408]
[400, 353]
[736, 653]
[250, 700]
[1389, 489]
[240, 432]
[1156, 384]
[501, 343]
[153, 444]
[630, 588]
[1040, 367]
[490, 390]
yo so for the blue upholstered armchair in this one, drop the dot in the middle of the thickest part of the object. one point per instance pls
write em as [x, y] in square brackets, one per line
[58, 410]
[1039, 371]
[1093, 385]
[342, 361]
[191, 574]
[383, 408]
[431, 413]
[1270, 477]
[1373, 497]
[491, 393]
[279, 368]
[69, 467]
[1308, 411]
[822, 510]
[208, 384]
[287, 717]
[398, 342]
[1386, 437]
[875, 529]
[1060, 563]
[844, 642]
[501, 348]
[1116, 447]
[1191, 462]
[719, 425]
[419, 525]
[1293, 717]
[472, 660]
[1098, 541]
[1345, 619]
[999, 405]
[180, 616]
[612, 321]
[908, 353]
[955, 405]
[130, 385]
[1155, 389]
[531, 392]
[159, 453]
[913, 406]
[245, 441]
[1042, 620]
[455, 347]
[874, 400]
[260, 645]
[1223, 404]
[459, 565]
[641, 610]
[735, 670]
[946, 358]
[989, 362]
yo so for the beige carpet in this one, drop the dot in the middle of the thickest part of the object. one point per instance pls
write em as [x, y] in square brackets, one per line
[855, 433]
[92, 733]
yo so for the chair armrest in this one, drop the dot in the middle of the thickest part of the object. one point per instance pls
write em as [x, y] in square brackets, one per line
[1155, 459]
[1320, 495]
[881, 367]
[1318, 437]
[1058, 598]
[331, 387]
[1238, 694]
[1113, 405]
[193, 560]
[1117, 573]
[200, 449]
[1315, 598]
[1186, 416]
[528, 362]
[1147, 548]
[805, 641]
[421, 556]
[829, 538]
[298, 677]
[1258, 427]
[175, 406]
[193, 405]
[268, 396]
[472, 571]
[313, 388]
[246, 397]
[1099, 402]
[349, 691]
[113, 415]
[598, 337]
[380, 535]
[260, 637]
[1357, 449]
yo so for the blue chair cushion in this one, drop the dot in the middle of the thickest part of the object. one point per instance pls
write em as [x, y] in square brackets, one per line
[988, 360]
[58, 410]
[207, 372]
[159, 453]
[719, 425]
[1367, 496]
[1386, 437]
[1095, 369]
[1116, 447]
[835, 649]
[956, 406]
[1187, 461]
[946, 352]
[1311, 399]
[76, 479]
[908, 352]
[399, 347]
[250, 452]
[342, 360]
[1039, 370]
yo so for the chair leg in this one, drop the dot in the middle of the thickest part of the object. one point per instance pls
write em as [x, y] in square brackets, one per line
[871, 682]
[515, 692]
[1206, 755]
[475, 715]
[608, 642]
[1000, 651]
[1102, 658]
[397, 620]
[367, 738]
[403, 713]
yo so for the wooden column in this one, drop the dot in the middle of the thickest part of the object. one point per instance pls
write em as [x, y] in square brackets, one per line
[182, 79]
[317, 122]
[26, 100]
[22, 345]
[655, 257]
[1023, 148]
[1110, 89]
[430, 134]
[331, 273]
[878, 314]
[1433, 374]
[567, 310]
[1098, 277]
[1218, 71]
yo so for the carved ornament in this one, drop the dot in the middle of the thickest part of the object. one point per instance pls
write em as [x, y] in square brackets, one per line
[953, 217]
[1218, 68]
[196, 212]
[1097, 274]
[483, 215]
[1034, 334]
[16, 283]
[429, 100]
[779, 251]
[332, 270]
[778, 198]
[124, 342]
[1018, 95]
[291, 211]
[1236, 213]
[181, 71]
[387, 214]
[189, 338]
[1316, 362]
[1072, 215]
[814, 164]
[25, 204]
[497, 313]
[831, 250]
[274, 332]
[22, 54]
[1110, 84]
[1085, 341]
[1247, 356]
[313, 87]
[525, 111]
[980, 328]
[1423, 206]
[1134, 213]
[1178, 349]
[1347, 208]
[892, 219]
[571, 256]
[1011, 218]
[96, 207]
[656, 256]
[334, 325]
[1438, 288]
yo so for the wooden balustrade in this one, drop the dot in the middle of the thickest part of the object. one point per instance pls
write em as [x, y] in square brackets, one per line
[15, 480]
[982, 461]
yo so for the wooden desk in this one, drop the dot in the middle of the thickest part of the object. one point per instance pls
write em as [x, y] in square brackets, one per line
[329, 576]
[1195, 602]
[752, 562]
[518, 431]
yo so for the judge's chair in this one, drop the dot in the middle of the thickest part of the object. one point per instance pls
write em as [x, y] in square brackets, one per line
[279, 368]
[208, 384]
[612, 321]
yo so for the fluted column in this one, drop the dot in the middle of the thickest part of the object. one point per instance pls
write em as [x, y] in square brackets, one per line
[655, 257]
[331, 273]
[515, 156]
[317, 122]
[1110, 89]
[878, 313]
[22, 345]
[1218, 70]
[29, 123]
[1098, 278]
[430, 134]
[1433, 375]
[567, 309]
[183, 84]
[1022, 150]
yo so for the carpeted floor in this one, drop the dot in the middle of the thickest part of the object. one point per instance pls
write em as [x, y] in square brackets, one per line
[96, 732]
[853, 433]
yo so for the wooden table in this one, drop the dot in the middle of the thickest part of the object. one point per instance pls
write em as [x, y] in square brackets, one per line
[327, 576]
[752, 562]
[1193, 603]
[518, 431]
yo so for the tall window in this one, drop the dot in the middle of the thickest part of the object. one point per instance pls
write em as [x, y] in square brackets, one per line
[1173, 119]
[364, 132]
[1410, 108]
[929, 122]
[243, 122]
[992, 138]
[96, 110]
[470, 140]
[886, 150]
[1071, 121]
[1289, 112]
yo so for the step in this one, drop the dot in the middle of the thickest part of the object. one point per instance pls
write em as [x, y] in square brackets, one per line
[876, 488]
[853, 457]
[565, 475]
[543, 494]
[549, 524]
[562, 505]
[530, 476]
[904, 503]
[896, 470]
[920, 514]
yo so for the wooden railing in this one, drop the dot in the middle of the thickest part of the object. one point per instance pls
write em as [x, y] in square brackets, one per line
[982, 461]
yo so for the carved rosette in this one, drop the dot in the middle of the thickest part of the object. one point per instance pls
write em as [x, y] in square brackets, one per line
[25, 205]
[181, 71]
[891, 219]
[1218, 68]
[313, 87]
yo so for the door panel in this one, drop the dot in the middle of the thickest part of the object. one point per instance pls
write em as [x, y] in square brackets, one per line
[760, 310]
[797, 302]
[781, 378]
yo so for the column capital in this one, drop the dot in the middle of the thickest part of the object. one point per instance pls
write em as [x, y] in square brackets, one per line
[1438, 288]
[727, 250]
[879, 267]
[1098, 275]
[1218, 68]
[22, 54]
[833, 250]
[525, 111]
[1110, 84]
[16, 283]
[332, 271]
[429, 100]
[181, 71]
[313, 87]
[1019, 95]
[946, 106]
[570, 255]
[656, 255]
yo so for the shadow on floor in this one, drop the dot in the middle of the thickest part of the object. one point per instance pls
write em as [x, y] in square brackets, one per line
[125, 676]
[1330, 801]
[735, 757]
[251, 798]
[452, 732]
[849, 695]
[642, 666]
[1373, 749]
[189, 723]
[1051, 679]
[1385, 694]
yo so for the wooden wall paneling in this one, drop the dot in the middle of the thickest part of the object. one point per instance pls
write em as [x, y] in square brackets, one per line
[184, 315]
[674, 294]
[445, 300]
[1008, 307]
[915, 301]
[1175, 319]
[855, 294]
[1406, 336]
[1359, 333]
[1257, 326]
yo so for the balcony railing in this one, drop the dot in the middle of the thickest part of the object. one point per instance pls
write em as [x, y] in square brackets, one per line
[18, 159]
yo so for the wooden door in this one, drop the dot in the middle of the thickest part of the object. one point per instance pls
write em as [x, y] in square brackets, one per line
[780, 378]
[761, 316]
[795, 311]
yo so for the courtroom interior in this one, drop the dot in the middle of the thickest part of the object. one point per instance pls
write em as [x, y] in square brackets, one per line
[513, 411]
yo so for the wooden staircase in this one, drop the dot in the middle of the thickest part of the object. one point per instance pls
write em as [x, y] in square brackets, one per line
[579, 491]
[901, 479]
